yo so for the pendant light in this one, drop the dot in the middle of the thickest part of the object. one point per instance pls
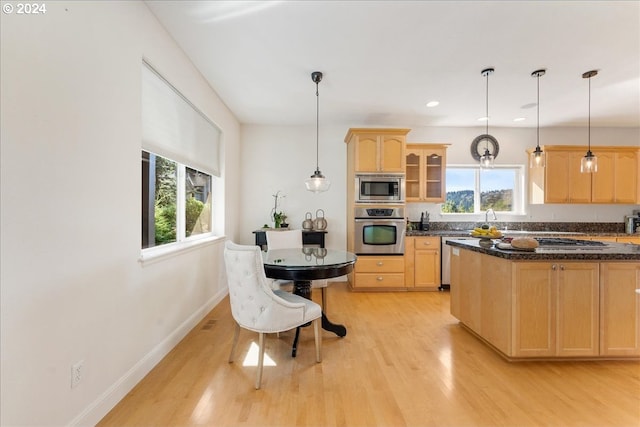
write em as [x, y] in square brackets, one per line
[487, 159]
[589, 163]
[538, 158]
[317, 182]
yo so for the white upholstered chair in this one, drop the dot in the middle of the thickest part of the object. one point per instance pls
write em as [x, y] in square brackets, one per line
[257, 307]
[293, 239]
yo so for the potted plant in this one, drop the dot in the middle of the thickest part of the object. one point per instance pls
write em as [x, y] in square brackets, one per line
[279, 218]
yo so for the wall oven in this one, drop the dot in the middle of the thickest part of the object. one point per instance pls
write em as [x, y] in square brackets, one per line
[380, 188]
[379, 230]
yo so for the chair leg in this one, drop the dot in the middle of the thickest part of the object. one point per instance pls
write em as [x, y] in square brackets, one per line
[324, 299]
[235, 342]
[260, 360]
[317, 331]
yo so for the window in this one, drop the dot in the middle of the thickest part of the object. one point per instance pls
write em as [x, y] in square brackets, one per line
[163, 207]
[474, 190]
[180, 148]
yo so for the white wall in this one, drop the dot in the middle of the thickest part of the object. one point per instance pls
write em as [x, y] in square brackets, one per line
[72, 287]
[274, 159]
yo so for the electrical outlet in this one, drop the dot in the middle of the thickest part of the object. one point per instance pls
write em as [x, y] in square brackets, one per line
[77, 372]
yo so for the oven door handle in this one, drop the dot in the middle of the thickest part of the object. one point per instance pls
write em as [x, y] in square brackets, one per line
[393, 220]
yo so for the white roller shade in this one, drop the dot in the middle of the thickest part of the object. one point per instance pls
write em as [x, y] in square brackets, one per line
[174, 128]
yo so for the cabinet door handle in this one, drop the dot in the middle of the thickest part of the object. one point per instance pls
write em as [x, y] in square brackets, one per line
[379, 263]
[554, 267]
[562, 267]
[379, 279]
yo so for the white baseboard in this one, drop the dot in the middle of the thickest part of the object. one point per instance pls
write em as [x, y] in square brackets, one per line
[100, 407]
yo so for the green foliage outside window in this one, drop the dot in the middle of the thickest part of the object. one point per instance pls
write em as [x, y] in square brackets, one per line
[194, 208]
[166, 200]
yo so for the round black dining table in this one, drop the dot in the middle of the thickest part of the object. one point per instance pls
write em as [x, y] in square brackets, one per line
[302, 265]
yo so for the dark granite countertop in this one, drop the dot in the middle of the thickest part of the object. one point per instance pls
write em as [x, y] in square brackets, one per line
[463, 228]
[511, 233]
[609, 252]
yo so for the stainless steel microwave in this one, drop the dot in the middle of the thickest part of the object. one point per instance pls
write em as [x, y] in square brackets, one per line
[380, 188]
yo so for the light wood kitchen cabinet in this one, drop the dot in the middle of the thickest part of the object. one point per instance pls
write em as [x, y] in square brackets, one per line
[378, 273]
[560, 181]
[619, 309]
[495, 302]
[630, 239]
[556, 309]
[465, 287]
[426, 172]
[599, 238]
[617, 179]
[422, 263]
[377, 150]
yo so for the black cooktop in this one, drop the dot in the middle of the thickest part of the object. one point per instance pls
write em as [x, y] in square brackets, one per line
[555, 241]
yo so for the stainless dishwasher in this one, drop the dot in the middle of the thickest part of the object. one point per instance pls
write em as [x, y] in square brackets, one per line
[445, 264]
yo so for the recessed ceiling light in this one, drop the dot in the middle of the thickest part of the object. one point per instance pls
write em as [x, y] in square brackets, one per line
[519, 119]
[433, 104]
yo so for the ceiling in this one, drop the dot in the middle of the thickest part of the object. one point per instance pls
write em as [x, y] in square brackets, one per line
[384, 60]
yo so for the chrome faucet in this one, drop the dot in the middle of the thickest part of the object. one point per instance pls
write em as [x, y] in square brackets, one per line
[486, 215]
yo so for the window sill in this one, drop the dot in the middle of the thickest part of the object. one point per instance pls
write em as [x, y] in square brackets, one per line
[156, 254]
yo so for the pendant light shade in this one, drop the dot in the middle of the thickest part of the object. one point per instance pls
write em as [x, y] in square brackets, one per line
[487, 159]
[537, 159]
[317, 182]
[589, 163]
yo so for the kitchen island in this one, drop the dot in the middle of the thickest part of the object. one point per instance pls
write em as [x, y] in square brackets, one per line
[550, 303]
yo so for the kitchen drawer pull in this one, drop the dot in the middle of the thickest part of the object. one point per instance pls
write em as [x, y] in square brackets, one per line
[379, 263]
[379, 279]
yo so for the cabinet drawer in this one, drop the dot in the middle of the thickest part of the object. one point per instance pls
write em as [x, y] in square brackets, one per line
[427, 243]
[391, 264]
[386, 280]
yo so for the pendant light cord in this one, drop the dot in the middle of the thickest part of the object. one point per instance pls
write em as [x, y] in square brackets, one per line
[487, 109]
[538, 115]
[317, 126]
[589, 120]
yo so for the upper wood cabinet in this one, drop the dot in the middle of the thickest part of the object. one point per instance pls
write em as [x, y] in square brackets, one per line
[617, 178]
[425, 172]
[377, 150]
[561, 181]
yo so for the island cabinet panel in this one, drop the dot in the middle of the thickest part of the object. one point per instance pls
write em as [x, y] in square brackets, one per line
[534, 310]
[619, 309]
[556, 309]
[495, 302]
[469, 285]
[577, 309]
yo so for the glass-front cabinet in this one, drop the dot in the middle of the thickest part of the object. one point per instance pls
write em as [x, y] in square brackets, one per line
[425, 172]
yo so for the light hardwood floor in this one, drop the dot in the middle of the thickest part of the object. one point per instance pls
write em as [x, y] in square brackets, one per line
[404, 362]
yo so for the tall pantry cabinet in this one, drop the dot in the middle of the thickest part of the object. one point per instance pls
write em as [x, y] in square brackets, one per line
[371, 150]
